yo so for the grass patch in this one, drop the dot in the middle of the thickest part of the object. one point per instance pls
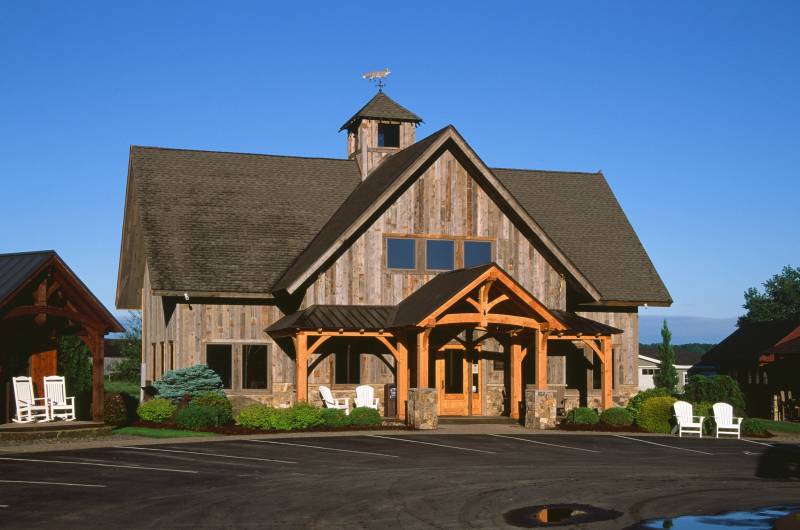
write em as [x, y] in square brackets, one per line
[159, 433]
[128, 387]
[778, 426]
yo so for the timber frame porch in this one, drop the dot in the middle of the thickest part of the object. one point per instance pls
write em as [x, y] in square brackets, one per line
[455, 310]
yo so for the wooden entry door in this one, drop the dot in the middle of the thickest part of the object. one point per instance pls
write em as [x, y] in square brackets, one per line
[454, 373]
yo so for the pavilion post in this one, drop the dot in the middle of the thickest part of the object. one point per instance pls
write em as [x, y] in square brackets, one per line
[423, 344]
[516, 378]
[401, 377]
[541, 360]
[301, 366]
[607, 373]
[98, 391]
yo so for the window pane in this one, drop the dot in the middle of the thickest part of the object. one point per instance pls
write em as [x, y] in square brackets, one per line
[219, 358]
[254, 366]
[348, 368]
[388, 135]
[477, 253]
[453, 372]
[439, 254]
[400, 254]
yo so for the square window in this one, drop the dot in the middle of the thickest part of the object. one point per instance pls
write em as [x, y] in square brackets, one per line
[400, 254]
[388, 135]
[439, 254]
[219, 357]
[477, 253]
[254, 366]
[348, 368]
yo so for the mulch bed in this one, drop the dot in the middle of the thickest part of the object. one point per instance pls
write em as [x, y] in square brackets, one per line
[599, 427]
[238, 429]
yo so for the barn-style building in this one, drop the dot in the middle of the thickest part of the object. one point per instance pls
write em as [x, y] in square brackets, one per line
[408, 262]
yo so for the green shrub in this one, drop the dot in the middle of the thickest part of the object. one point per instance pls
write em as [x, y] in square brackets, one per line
[582, 416]
[753, 427]
[616, 416]
[656, 413]
[718, 388]
[157, 410]
[635, 403]
[363, 416]
[707, 411]
[265, 417]
[219, 402]
[197, 417]
[305, 416]
[192, 381]
[334, 418]
[115, 411]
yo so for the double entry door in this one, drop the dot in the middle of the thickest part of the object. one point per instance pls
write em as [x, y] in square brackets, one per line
[458, 380]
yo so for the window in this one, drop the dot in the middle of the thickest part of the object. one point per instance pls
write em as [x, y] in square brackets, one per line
[388, 135]
[348, 368]
[400, 254]
[454, 372]
[440, 254]
[477, 253]
[254, 366]
[219, 357]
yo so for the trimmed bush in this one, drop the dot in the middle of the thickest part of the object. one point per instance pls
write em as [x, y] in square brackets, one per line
[115, 410]
[305, 416]
[616, 416]
[156, 410]
[364, 416]
[197, 417]
[219, 402]
[752, 427]
[334, 418]
[582, 416]
[718, 388]
[656, 413]
[635, 403]
[265, 417]
[192, 381]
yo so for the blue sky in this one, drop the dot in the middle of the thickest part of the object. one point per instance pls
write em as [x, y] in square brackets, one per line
[689, 108]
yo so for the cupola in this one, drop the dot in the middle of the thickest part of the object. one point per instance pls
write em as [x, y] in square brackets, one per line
[381, 128]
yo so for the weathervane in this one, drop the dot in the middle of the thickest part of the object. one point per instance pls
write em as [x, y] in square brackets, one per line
[377, 78]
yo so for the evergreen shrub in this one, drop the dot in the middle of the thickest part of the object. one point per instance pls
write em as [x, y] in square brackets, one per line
[364, 416]
[115, 410]
[192, 381]
[198, 417]
[334, 418]
[715, 389]
[616, 416]
[582, 416]
[305, 416]
[656, 413]
[635, 403]
[156, 410]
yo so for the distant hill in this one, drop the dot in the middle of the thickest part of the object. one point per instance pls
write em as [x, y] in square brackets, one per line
[684, 353]
[685, 330]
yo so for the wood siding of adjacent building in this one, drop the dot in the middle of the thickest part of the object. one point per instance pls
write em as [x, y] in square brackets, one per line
[444, 203]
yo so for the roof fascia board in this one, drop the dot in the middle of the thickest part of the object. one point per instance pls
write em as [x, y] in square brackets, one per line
[212, 294]
[370, 212]
[101, 309]
[21, 287]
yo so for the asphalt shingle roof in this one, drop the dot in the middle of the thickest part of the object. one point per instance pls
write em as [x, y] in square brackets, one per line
[749, 341]
[381, 107]
[17, 268]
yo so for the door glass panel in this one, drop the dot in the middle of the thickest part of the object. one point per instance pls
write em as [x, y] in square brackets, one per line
[453, 372]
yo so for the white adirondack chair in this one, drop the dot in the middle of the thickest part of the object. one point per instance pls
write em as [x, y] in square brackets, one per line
[686, 421]
[55, 393]
[365, 397]
[726, 422]
[332, 402]
[27, 409]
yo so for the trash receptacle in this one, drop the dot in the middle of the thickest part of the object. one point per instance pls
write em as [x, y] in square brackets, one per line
[390, 400]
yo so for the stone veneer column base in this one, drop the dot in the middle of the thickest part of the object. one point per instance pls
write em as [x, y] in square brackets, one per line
[422, 408]
[540, 408]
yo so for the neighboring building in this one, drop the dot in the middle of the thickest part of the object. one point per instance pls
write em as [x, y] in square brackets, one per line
[42, 300]
[687, 363]
[764, 357]
[408, 262]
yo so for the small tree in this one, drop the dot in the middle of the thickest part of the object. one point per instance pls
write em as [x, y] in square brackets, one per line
[780, 299]
[667, 375]
[192, 381]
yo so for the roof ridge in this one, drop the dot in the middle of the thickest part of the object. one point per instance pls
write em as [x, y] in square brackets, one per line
[548, 170]
[240, 153]
[27, 253]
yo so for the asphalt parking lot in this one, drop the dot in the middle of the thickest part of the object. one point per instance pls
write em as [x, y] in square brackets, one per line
[390, 481]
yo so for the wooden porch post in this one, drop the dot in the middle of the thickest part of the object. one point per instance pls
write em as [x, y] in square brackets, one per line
[516, 378]
[98, 391]
[401, 374]
[301, 367]
[607, 373]
[541, 361]
[423, 343]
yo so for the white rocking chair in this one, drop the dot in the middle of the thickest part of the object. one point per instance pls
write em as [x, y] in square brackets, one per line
[686, 421]
[55, 393]
[365, 397]
[334, 403]
[27, 409]
[726, 422]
